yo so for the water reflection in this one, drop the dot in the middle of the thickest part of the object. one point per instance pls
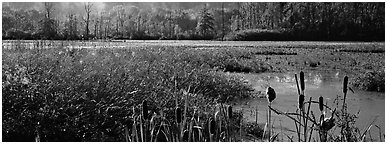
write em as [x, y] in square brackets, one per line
[316, 78]
[318, 83]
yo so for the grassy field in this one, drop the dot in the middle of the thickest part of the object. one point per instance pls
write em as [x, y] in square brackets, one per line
[63, 92]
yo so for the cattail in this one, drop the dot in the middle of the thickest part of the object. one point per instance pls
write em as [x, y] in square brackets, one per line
[229, 111]
[145, 109]
[302, 81]
[178, 114]
[212, 126]
[270, 94]
[321, 103]
[345, 84]
[301, 99]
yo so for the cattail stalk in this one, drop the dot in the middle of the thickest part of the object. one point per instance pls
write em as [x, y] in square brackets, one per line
[306, 119]
[301, 99]
[270, 96]
[269, 126]
[302, 81]
[322, 133]
[321, 103]
[345, 89]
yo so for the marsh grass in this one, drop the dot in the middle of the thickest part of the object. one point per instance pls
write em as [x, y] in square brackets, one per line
[95, 94]
[62, 94]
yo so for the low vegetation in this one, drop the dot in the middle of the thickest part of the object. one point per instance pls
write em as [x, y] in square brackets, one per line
[152, 93]
[77, 95]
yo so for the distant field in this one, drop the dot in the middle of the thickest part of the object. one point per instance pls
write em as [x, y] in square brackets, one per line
[352, 58]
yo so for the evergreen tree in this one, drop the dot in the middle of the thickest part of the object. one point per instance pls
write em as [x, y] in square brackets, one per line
[205, 25]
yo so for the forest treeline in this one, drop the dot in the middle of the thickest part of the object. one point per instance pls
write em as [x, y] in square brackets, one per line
[325, 21]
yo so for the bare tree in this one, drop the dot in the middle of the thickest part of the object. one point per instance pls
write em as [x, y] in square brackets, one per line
[48, 26]
[88, 7]
[222, 21]
[48, 7]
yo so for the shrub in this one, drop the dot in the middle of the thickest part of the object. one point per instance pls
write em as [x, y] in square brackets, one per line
[370, 81]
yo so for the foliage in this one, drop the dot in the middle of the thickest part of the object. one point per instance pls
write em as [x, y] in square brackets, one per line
[370, 81]
[48, 29]
[328, 21]
[205, 26]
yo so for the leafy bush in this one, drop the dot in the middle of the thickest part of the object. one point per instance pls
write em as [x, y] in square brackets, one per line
[370, 81]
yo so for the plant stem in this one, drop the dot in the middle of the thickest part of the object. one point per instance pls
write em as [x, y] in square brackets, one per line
[306, 119]
[269, 123]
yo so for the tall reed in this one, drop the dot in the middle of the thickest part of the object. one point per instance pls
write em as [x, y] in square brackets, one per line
[270, 94]
[345, 89]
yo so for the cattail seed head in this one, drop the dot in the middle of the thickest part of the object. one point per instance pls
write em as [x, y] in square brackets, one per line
[145, 109]
[301, 99]
[229, 112]
[178, 114]
[321, 103]
[270, 94]
[302, 80]
[345, 84]
[212, 126]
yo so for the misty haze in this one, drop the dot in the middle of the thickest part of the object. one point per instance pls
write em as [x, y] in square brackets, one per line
[193, 72]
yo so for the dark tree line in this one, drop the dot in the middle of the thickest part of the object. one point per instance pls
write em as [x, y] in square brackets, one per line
[289, 20]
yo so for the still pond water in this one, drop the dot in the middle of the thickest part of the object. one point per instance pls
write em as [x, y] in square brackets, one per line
[370, 105]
